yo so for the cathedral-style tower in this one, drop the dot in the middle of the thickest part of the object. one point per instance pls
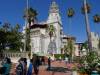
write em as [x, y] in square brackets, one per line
[55, 20]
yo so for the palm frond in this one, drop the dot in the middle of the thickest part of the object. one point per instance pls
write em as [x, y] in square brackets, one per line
[96, 18]
[70, 12]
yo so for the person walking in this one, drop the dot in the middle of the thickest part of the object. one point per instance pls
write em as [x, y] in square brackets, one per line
[7, 66]
[25, 66]
[49, 63]
[19, 68]
[43, 61]
[30, 68]
[66, 60]
[36, 63]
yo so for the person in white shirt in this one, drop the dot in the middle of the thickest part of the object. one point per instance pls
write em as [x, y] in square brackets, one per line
[66, 60]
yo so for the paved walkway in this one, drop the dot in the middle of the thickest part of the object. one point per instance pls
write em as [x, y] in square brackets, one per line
[43, 71]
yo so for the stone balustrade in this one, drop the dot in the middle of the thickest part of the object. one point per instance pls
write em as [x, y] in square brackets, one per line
[15, 54]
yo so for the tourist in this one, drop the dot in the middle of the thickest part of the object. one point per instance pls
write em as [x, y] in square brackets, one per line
[29, 55]
[43, 61]
[19, 68]
[6, 66]
[30, 68]
[36, 63]
[60, 59]
[49, 63]
[24, 65]
[66, 60]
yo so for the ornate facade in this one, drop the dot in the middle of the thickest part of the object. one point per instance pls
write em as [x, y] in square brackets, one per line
[40, 39]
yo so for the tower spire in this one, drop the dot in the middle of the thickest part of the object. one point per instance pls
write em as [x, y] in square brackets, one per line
[54, 7]
[54, 18]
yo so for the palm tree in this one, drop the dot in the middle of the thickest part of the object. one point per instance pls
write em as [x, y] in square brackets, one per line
[51, 31]
[66, 51]
[51, 34]
[70, 13]
[99, 44]
[96, 18]
[86, 10]
[28, 47]
[87, 7]
[70, 48]
[30, 16]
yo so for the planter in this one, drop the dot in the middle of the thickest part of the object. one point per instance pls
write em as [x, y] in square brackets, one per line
[74, 73]
[94, 73]
[79, 73]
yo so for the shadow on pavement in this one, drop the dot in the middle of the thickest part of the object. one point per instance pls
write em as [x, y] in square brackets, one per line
[58, 69]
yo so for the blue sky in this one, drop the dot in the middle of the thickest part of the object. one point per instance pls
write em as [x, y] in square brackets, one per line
[12, 11]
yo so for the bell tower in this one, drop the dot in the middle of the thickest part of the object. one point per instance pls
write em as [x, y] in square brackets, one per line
[55, 20]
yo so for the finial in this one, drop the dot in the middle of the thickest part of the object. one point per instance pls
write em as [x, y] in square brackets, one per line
[54, 7]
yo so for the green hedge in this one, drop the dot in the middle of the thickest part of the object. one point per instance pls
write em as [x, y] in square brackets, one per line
[57, 56]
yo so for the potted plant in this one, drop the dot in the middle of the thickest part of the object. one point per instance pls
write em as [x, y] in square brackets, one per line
[74, 70]
[82, 71]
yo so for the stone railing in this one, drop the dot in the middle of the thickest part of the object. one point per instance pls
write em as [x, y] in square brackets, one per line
[15, 54]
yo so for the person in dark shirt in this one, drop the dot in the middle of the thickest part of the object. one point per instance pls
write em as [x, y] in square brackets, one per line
[43, 61]
[36, 63]
[19, 68]
[49, 63]
[25, 65]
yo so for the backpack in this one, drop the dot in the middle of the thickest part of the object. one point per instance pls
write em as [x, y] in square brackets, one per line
[19, 69]
[2, 70]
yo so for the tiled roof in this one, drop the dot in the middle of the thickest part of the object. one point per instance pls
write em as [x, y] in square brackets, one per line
[69, 37]
[38, 26]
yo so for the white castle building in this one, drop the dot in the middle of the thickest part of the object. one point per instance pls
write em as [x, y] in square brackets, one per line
[40, 39]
